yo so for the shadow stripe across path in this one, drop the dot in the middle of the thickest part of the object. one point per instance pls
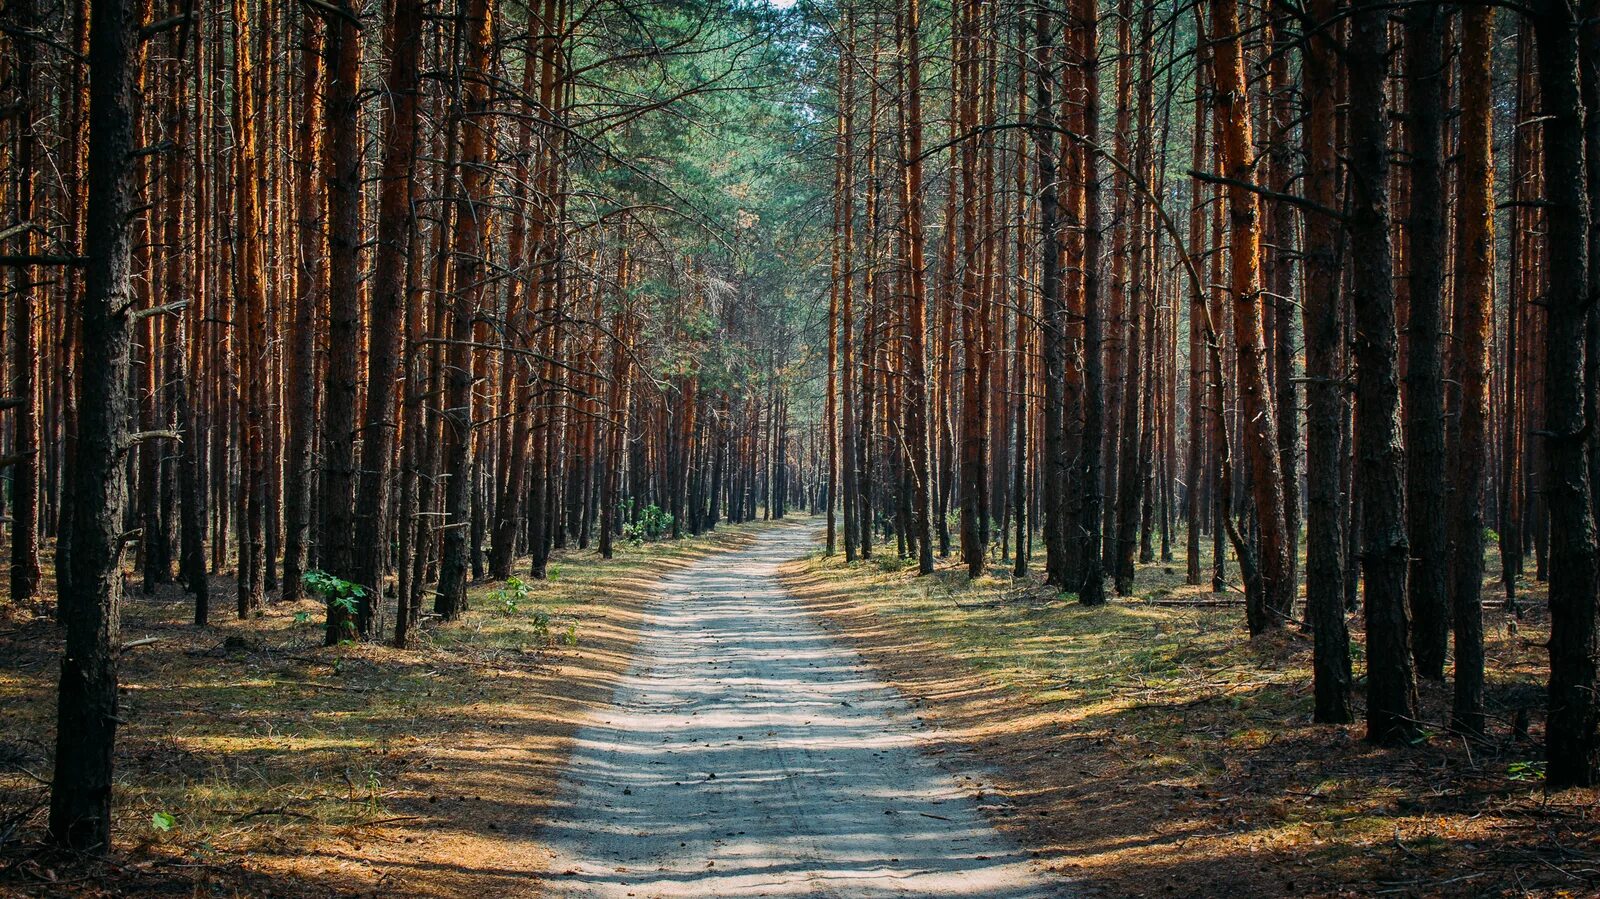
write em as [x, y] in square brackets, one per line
[748, 753]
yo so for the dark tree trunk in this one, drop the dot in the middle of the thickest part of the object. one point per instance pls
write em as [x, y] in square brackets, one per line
[86, 720]
[342, 178]
[1474, 320]
[25, 572]
[1193, 463]
[1091, 586]
[396, 223]
[1053, 316]
[250, 310]
[1320, 308]
[472, 124]
[1424, 391]
[1391, 691]
[301, 373]
[1572, 746]
[617, 417]
[911, 195]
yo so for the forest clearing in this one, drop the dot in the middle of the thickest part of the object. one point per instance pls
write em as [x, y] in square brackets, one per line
[997, 448]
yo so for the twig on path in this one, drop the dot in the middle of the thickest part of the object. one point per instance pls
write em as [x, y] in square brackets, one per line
[273, 812]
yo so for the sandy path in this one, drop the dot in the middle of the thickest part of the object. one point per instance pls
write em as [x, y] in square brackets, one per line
[747, 753]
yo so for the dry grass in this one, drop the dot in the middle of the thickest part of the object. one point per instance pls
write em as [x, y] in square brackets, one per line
[290, 769]
[1149, 748]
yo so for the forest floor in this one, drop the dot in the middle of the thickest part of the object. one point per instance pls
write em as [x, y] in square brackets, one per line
[1149, 748]
[254, 761]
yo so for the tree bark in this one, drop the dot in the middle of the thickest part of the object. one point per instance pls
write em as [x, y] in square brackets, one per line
[1424, 377]
[916, 397]
[473, 125]
[1320, 307]
[341, 178]
[1231, 107]
[1572, 746]
[1091, 584]
[396, 227]
[1474, 321]
[1391, 691]
[301, 374]
[1053, 312]
[250, 312]
[25, 571]
[86, 720]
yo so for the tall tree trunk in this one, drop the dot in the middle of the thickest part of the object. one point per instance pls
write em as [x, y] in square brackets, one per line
[86, 719]
[1320, 307]
[1231, 107]
[396, 227]
[1424, 377]
[472, 123]
[1194, 462]
[1474, 320]
[1391, 691]
[916, 397]
[847, 362]
[1589, 72]
[617, 408]
[25, 572]
[342, 181]
[841, 168]
[180, 371]
[974, 410]
[251, 311]
[301, 375]
[1572, 746]
[1282, 239]
[1053, 311]
[1091, 585]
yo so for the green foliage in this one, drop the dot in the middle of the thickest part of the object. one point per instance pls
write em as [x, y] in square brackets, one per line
[515, 595]
[539, 622]
[511, 595]
[653, 523]
[1525, 771]
[342, 597]
[162, 821]
[336, 590]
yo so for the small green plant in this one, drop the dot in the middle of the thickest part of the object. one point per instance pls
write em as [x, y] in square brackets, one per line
[887, 562]
[540, 622]
[511, 595]
[342, 597]
[302, 617]
[163, 822]
[1525, 771]
[516, 595]
[653, 524]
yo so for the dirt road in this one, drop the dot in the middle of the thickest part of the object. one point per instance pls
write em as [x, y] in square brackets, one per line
[747, 753]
